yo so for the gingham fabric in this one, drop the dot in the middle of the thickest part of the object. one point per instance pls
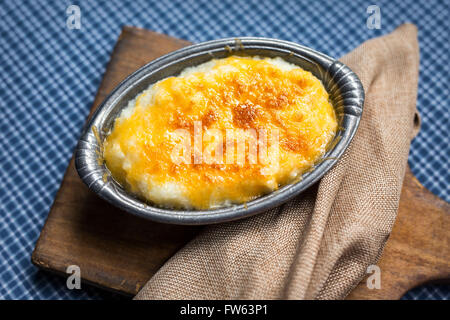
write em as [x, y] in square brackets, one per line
[49, 75]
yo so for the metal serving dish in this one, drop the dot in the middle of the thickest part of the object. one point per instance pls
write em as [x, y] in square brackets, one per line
[344, 87]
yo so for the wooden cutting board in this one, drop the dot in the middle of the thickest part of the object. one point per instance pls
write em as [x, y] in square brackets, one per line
[120, 252]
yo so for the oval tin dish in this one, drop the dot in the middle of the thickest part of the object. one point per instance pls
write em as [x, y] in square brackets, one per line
[344, 88]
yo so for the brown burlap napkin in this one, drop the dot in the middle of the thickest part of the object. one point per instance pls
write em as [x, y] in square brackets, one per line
[319, 245]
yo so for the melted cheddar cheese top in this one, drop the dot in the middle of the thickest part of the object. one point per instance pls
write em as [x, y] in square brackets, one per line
[235, 96]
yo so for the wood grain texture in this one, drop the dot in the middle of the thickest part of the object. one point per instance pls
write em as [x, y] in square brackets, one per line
[120, 252]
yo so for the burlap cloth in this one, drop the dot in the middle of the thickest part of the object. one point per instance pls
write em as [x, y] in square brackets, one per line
[319, 245]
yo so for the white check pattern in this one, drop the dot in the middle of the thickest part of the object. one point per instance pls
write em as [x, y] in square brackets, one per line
[49, 75]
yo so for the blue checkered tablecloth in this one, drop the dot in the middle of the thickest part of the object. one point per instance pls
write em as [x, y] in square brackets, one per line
[49, 75]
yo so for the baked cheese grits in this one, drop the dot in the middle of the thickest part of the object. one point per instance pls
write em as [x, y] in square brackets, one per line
[221, 133]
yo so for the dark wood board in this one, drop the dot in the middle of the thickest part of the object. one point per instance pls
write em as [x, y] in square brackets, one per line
[120, 252]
